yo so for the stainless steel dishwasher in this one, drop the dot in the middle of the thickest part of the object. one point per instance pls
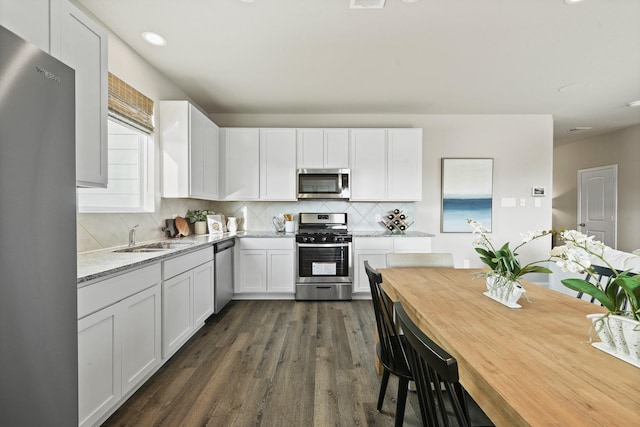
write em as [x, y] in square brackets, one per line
[223, 287]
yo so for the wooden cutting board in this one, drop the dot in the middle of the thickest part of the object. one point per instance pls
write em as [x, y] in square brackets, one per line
[182, 225]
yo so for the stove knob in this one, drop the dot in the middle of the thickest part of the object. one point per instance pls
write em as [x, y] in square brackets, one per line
[310, 239]
[324, 238]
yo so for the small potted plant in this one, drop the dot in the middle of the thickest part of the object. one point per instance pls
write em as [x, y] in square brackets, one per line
[503, 280]
[199, 220]
[619, 329]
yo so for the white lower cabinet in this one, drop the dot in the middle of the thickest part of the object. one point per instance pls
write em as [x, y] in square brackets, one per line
[187, 297]
[372, 249]
[118, 340]
[375, 250]
[265, 265]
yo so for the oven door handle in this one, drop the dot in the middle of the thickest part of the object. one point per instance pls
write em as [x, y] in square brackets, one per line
[324, 245]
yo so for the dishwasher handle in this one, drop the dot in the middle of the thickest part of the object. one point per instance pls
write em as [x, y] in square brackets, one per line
[227, 244]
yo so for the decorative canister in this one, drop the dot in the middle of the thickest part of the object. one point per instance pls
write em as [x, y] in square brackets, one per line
[232, 224]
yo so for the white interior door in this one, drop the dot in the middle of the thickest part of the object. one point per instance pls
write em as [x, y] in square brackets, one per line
[597, 203]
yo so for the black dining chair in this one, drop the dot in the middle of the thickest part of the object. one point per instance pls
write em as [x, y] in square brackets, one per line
[391, 346]
[431, 365]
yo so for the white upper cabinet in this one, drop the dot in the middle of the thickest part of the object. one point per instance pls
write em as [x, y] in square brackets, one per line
[240, 163]
[386, 164]
[29, 19]
[323, 148]
[368, 164]
[189, 151]
[404, 164]
[278, 164]
[82, 44]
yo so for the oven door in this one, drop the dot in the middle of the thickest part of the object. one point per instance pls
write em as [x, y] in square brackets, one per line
[324, 263]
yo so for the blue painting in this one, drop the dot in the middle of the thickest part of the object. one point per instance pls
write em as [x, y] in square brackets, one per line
[467, 191]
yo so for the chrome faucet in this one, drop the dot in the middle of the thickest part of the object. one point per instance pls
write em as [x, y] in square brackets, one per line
[132, 236]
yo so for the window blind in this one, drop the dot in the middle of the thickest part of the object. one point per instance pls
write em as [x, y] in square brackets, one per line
[128, 105]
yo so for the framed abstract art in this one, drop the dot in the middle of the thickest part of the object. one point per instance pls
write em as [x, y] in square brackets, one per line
[467, 193]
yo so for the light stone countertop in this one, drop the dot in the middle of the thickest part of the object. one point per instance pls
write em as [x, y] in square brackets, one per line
[96, 264]
[103, 262]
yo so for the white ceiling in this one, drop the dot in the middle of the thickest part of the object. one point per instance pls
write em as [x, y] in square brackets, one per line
[427, 57]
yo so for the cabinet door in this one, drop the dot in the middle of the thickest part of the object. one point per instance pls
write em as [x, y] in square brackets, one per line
[202, 293]
[210, 155]
[83, 46]
[29, 19]
[280, 271]
[336, 148]
[404, 164]
[411, 244]
[99, 365]
[253, 271]
[241, 153]
[141, 337]
[377, 259]
[368, 164]
[203, 156]
[176, 312]
[278, 164]
[310, 148]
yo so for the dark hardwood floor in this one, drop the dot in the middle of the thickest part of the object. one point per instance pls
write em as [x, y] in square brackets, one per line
[272, 363]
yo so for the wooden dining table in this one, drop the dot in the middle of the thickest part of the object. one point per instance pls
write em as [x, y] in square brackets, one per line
[529, 366]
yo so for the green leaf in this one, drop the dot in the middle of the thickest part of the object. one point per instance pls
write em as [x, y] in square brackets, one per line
[631, 287]
[588, 288]
[534, 269]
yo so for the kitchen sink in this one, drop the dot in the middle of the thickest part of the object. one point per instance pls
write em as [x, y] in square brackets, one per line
[156, 247]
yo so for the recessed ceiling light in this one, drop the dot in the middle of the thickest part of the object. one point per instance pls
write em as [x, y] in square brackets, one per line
[247, 1]
[154, 38]
[572, 1]
[634, 103]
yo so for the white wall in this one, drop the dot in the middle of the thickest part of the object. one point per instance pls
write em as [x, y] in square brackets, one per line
[621, 148]
[521, 146]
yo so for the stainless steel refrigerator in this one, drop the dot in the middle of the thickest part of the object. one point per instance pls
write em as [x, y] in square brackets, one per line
[38, 291]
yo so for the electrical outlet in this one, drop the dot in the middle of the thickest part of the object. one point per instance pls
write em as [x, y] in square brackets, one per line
[378, 217]
[523, 202]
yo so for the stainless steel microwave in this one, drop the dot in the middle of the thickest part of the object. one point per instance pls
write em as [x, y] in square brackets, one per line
[323, 184]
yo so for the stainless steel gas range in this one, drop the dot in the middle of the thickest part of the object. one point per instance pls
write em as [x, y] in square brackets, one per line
[324, 263]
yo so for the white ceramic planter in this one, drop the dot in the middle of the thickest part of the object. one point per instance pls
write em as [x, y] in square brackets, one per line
[200, 227]
[505, 292]
[619, 336]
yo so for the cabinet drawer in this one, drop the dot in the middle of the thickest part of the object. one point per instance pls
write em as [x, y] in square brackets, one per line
[412, 244]
[267, 243]
[378, 243]
[182, 263]
[99, 295]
